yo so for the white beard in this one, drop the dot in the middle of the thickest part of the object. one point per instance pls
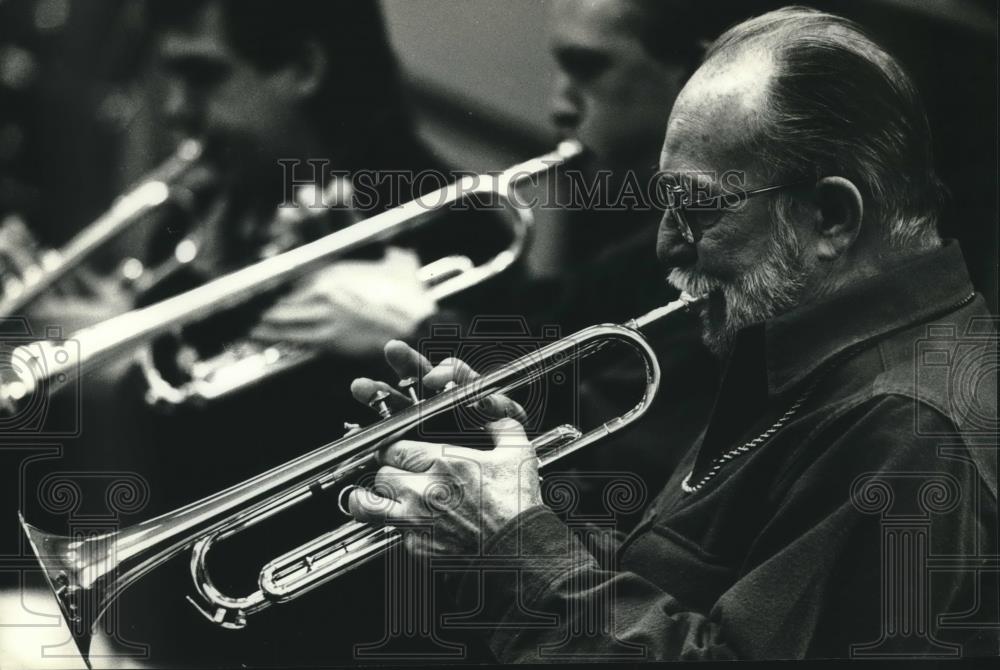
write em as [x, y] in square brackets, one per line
[774, 286]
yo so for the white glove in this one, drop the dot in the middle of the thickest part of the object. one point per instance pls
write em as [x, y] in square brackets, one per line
[352, 307]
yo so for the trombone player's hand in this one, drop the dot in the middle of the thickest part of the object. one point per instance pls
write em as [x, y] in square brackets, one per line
[351, 307]
[463, 496]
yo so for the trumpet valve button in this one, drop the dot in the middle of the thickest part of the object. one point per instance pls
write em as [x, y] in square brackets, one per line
[408, 385]
[379, 404]
[351, 428]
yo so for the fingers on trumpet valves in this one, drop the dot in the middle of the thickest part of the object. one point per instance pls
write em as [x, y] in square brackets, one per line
[448, 373]
[407, 362]
[408, 385]
[452, 372]
[376, 393]
[379, 402]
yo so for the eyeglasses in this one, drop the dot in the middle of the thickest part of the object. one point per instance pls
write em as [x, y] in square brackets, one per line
[680, 203]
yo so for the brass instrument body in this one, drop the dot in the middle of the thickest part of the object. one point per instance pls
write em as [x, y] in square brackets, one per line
[48, 365]
[150, 193]
[87, 574]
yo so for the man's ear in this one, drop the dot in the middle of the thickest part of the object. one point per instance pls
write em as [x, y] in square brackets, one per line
[841, 212]
[309, 69]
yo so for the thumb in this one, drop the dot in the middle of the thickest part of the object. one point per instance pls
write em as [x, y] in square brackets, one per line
[508, 434]
[400, 259]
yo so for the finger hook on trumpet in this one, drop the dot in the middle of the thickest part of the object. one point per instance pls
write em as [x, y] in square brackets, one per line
[343, 496]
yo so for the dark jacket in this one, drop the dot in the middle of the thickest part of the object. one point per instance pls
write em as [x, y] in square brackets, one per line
[865, 525]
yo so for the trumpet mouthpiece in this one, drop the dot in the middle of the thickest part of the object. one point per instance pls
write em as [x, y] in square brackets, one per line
[190, 149]
[570, 149]
[691, 300]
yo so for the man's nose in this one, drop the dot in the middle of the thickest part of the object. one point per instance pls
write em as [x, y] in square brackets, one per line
[672, 249]
[565, 105]
[179, 108]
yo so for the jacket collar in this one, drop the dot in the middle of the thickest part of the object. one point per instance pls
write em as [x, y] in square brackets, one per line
[798, 342]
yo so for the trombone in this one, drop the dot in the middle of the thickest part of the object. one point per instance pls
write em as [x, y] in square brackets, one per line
[153, 191]
[52, 364]
[87, 574]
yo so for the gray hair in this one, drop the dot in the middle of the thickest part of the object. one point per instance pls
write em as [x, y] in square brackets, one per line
[838, 104]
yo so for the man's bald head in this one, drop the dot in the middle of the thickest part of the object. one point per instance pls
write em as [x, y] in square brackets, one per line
[818, 97]
[803, 107]
[724, 99]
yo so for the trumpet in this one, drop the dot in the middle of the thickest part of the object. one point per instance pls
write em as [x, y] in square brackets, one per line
[52, 364]
[87, 574]
[151, 192]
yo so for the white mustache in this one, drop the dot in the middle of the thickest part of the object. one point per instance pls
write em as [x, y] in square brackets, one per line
[694, 283]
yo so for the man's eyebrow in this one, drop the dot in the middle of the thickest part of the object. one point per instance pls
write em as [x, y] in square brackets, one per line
[593, 53]
[689, 179]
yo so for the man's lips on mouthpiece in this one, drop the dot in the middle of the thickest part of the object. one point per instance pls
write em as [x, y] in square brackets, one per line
[686, 279]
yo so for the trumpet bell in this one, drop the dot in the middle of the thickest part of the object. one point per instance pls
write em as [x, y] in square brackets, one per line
[77, 571]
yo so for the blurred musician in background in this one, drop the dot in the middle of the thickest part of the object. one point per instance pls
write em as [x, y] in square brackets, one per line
[261, 83]
[51, 123]
[263, 86]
